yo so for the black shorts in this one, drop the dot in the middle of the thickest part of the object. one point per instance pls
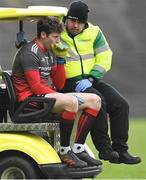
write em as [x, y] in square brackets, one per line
[34, 104]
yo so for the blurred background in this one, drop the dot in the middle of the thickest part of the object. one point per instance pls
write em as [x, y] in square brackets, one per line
[124, 25]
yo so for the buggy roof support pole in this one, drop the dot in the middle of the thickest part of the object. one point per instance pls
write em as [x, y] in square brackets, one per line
[21, 26]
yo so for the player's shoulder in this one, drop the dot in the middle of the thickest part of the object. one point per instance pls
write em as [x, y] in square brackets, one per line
[30, 47]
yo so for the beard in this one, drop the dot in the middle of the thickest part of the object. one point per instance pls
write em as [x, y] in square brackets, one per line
[74, 31]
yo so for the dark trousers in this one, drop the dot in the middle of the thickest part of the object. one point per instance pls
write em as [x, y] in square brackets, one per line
[116, 108]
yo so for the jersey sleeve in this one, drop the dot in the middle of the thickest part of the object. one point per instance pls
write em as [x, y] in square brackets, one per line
[58, 76]
[33, 79]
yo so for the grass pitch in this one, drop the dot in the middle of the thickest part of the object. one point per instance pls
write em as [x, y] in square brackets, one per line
[137, 146]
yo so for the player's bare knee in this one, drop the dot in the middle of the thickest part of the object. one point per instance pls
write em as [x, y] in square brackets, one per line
[96, 101]
[72, 104]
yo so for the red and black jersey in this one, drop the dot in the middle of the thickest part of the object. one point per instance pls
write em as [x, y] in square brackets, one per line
[34, 70]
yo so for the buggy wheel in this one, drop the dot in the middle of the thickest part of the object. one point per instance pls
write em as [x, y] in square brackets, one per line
[15, 167]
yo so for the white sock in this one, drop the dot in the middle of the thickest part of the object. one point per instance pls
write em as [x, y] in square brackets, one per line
[64, 150]
[78, 148]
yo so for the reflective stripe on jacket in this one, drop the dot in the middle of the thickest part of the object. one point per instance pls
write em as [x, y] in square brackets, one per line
[88, 53]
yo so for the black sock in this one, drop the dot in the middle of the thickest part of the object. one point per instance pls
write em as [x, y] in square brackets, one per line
[66, 126]
[85, 124]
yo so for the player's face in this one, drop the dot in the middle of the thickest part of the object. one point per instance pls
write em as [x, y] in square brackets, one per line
[51, 39]
[74, 26]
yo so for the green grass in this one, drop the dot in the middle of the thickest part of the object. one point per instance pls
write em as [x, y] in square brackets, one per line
[137, 146]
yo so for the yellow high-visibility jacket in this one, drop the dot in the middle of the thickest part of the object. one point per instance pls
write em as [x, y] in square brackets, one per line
[88, 53]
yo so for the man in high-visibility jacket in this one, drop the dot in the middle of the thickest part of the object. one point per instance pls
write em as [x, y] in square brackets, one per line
[88, 59]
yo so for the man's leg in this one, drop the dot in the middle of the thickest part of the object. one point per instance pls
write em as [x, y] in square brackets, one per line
[90, 107]
[118, 110]
[99, 132]
[85, 123]
[67, 106]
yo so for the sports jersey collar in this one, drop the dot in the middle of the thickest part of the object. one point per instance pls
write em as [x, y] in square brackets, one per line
[39, 46]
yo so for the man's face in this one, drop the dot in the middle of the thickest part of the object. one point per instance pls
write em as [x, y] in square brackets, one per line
[74, 26]
[51, 39]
